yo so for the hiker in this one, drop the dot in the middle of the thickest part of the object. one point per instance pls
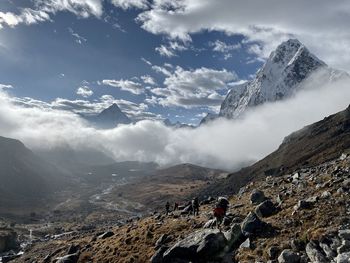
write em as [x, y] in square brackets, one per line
[195, 206]
[220, 210]
[167, 208]
[176, 206]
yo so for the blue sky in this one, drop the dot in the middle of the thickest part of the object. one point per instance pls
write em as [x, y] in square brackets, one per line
[156, 59]
[52, 59]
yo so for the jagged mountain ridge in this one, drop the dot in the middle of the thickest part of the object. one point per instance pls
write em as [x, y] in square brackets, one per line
[279, 78]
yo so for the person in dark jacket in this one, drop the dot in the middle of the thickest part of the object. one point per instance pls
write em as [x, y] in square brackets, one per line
[220, 210]
[167, 208]
[195, 206]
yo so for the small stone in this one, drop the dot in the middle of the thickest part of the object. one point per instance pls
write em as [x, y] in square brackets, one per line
[246, 244]
[326, 195]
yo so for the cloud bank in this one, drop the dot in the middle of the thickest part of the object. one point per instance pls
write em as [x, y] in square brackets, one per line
[266, 23]
[221, 144]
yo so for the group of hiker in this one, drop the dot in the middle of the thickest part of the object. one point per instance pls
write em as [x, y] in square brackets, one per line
[192, 207]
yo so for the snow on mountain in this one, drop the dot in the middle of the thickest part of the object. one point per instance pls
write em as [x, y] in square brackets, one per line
[279, 78]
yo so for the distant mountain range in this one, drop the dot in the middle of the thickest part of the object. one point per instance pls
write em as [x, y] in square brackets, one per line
[279, 78]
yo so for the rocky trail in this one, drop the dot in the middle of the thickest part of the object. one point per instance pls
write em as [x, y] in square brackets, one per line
[298, 217]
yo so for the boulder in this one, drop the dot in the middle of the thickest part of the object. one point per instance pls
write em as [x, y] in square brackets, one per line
[315, 253]
[303, 204]
[265, 209]
[288, 256]
[344, 234]
[158, 256]
[203, 244]
[163, 239]
[297, 245]
[73, 249]
[234, 237]
[257, 197]
[345, 247]
[343, 258]
[71, 258]
[252, 225]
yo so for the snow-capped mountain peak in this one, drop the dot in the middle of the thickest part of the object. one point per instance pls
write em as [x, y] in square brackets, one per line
[279, 78]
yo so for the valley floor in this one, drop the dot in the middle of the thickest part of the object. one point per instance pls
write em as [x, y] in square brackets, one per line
[310, 207]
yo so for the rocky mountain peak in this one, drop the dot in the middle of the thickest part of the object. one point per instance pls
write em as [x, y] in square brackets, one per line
[278, 78]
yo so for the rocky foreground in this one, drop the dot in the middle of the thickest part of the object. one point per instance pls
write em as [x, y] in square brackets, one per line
[298, 217]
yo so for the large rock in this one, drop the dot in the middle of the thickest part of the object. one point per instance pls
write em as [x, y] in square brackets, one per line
[72, 258]
[204, 244]
[265, 209]
[257, 197]
[344, 234]
[343, 258]
[234, 237]
[8, 240]
[315, 253]
[252, 225]
[288, 256]
[304, 204]
[158, 256]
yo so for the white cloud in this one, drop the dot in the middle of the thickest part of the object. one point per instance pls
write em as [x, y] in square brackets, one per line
[320, 24]
[194, 88]
[82, 8]
[27, 16]
[78, 39]
[170, 49]
[5, 86]
[127, 4]
[228, 144]
[43, 9]
[223, 47]
[85, 91]
[126, 85]
[147, 79]
[137, 111]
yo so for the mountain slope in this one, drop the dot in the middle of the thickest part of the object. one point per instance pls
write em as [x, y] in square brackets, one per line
[280, 77]
[25, 178]
[314, 144]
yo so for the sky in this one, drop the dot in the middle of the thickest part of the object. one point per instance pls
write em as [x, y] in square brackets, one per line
[156, 59]
[89, 54]
[174, 59]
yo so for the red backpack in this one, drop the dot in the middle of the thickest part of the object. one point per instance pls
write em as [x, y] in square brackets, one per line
[219, 212]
